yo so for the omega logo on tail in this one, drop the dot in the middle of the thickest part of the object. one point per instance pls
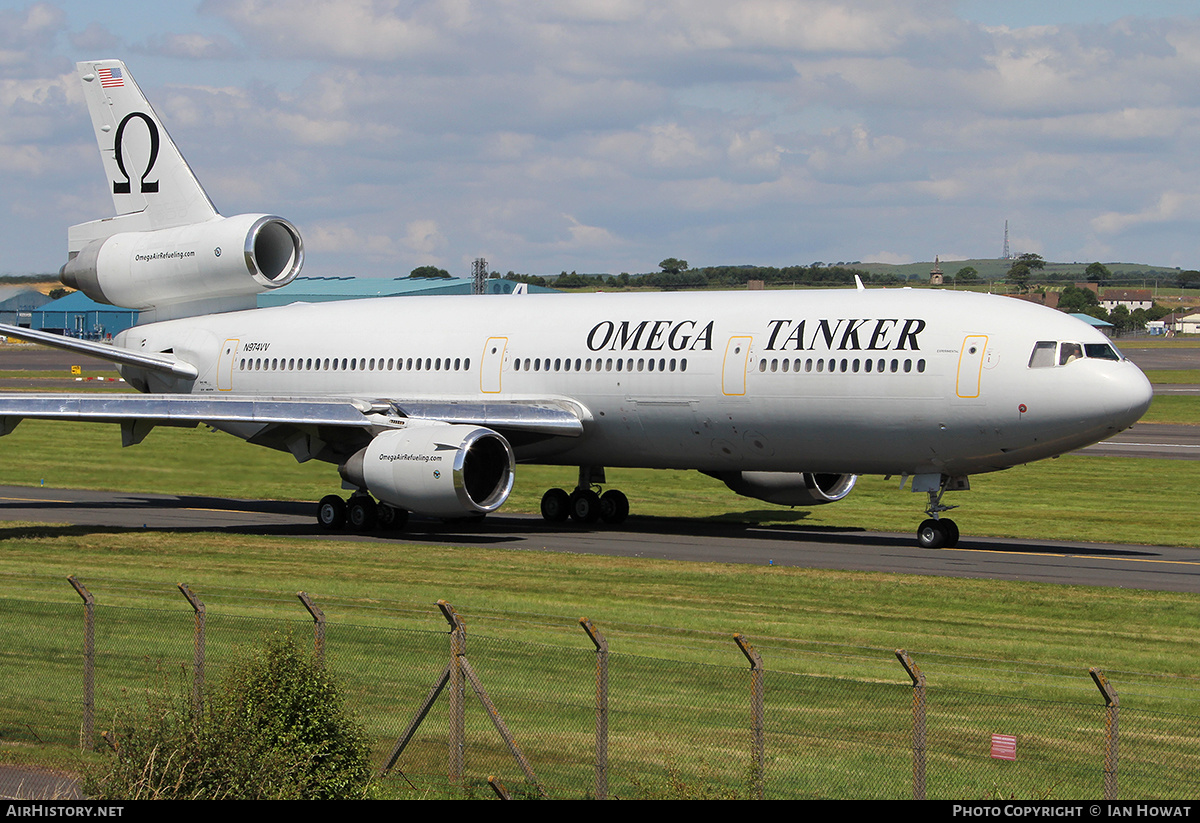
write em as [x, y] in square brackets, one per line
[144, 185]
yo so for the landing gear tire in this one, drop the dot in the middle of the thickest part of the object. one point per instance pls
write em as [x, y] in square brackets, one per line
[362, 513]
[390, 518]
[937, 534]
[585, 506]
[614, 507]
[556, 506]
[331, 512]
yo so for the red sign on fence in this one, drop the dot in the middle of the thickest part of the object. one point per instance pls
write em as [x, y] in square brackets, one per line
[1004, 747]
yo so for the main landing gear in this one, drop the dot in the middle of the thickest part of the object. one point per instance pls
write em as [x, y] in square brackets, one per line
[937, 532]
[360, 512]
[585, 504]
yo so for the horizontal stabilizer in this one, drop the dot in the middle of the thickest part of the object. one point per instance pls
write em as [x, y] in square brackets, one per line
[114, 354]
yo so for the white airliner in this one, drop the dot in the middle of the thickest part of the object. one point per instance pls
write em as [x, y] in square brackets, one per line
[427, 404]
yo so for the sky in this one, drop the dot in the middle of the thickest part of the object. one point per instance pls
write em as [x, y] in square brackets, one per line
[607, 135]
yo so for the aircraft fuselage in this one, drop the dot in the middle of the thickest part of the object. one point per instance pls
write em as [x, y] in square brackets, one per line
[860, 382]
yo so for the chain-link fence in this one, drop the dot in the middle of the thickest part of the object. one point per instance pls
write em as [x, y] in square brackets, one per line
[562, 721]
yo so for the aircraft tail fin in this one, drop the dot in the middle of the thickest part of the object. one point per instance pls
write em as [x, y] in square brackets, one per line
[167, 252]
[151, 184]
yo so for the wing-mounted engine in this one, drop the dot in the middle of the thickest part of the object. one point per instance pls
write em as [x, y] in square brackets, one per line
[438, 469]
[789, 488]
[224, 261]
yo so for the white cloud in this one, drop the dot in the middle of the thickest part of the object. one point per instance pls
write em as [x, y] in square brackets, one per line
[1171, 206]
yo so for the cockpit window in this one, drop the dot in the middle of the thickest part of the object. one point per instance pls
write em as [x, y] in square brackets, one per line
[1101, 350]
[1069, 353]
[1043, 354]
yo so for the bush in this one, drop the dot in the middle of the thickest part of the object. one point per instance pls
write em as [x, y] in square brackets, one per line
[273, 728]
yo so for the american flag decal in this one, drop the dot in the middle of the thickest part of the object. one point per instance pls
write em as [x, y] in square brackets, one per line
[111, 78]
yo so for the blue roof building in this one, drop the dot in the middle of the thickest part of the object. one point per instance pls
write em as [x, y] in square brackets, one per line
[77, 315]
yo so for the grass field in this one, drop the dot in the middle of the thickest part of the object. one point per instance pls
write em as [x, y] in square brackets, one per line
[992, 637]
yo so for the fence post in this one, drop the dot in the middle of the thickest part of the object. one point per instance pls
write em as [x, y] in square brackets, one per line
[1111, 736]
[918, 731]
[198, 653]
[89, 661]
[458, 648]
[318, 617]
[601, 644]
[756, 707]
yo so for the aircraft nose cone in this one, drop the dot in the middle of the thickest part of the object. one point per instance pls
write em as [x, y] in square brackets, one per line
[1131, 396]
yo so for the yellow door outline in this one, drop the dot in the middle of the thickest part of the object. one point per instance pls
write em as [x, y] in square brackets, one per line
[970, 365]
[491, 365]
[733, 368]
[229, 351]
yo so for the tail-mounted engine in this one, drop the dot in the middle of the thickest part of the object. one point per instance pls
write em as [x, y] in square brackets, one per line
[217, 260]
[438, 469]
[789, 488]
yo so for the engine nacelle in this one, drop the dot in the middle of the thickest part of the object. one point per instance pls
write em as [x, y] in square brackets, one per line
[438, 469]
[222, 258]
[789, 488]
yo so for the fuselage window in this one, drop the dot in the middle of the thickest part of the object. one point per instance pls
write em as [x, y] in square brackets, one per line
[854, 365]
[608, 364]
[786, 365]
[867, 364]
[620, 363]
[457, 363]
[774, 365]
[578, 363]
[762, 365]
[243, 365]
[308, 363]
[467, 364]
[587, 364]
[650, 364]
[683, 364]
[843, 366]
[907, 366]
[672, 364]
[820, 365]
[428, 363]
[537, 362]
[895, 366]
[418, 364]
[641, 364]
[921, 365]
[808, 364]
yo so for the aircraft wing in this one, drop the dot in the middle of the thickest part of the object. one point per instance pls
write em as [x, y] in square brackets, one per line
[280, 421]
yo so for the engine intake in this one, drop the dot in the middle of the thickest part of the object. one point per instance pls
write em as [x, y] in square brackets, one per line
[227, 257]
[438, 469]
[789, 488]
